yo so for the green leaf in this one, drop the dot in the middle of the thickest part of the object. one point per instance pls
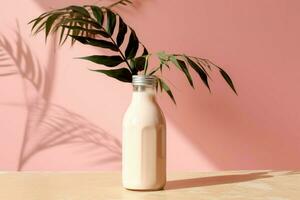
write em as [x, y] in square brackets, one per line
[182, 66]
[121, 74]
[75, 33]
[186, 72]
[50, 22]
[122, 32]
[163, 56]
[98, 14]
[88, 30]
[207, 63]
[67, 35]
[111, 21]
[109, 61]
[38, 20]
[203, 63]
[140, 63]
[146, 64]
[159, 85]
[95, 42]
[203, 67]
[145, 52]
[80, 21]
[40, 27]
[103, 34]
[61, 35]
[166, 88]
[80, 10]
[40, 17]
[132, 46]
[227, 79]
[199, 71]
[133, 68]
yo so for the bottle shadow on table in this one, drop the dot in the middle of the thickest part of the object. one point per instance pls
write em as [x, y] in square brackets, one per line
[292, 173]
[215, 180]
[286, 173]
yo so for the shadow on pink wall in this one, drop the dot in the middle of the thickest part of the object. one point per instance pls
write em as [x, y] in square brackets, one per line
[49, 125]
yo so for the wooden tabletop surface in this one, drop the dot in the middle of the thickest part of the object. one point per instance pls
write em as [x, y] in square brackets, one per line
[231, 185]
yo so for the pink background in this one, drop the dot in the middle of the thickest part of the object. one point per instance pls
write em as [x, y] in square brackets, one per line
[73, 122]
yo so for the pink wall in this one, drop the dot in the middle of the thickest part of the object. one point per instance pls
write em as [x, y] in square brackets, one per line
[80, 112]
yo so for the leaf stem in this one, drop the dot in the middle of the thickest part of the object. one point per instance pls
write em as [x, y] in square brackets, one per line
[121, 53]
[114, 42]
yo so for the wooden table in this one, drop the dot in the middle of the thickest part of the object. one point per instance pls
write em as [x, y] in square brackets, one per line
[231, 185]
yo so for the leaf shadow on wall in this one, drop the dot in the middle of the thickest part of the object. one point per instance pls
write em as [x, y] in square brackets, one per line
[49, 125]
[60, 126]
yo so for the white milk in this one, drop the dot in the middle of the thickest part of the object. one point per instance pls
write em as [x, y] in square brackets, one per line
[144, 141]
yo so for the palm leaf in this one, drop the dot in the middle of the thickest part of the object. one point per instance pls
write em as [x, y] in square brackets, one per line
[80, 10]
[109, 61]
[50, 21]
[199, 71]
[85, 24]
[98, 14]
[122, 32]
[95, 42]
[111, 22]
[87, 30]
[133, 45]
[182, 66]
[227, 79]
[121, 74]
[167, 89]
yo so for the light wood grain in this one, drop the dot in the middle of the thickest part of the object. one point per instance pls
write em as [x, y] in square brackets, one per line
[231, 185]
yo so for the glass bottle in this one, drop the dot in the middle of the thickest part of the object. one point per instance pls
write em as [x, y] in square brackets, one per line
[144, 138]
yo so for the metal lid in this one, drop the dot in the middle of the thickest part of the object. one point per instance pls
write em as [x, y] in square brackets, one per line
[144, 80]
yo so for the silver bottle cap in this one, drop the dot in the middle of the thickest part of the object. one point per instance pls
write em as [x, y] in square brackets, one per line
[145, 80]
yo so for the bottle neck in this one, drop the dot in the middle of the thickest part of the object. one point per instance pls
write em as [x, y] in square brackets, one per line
[143, 87]
[143, 92]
